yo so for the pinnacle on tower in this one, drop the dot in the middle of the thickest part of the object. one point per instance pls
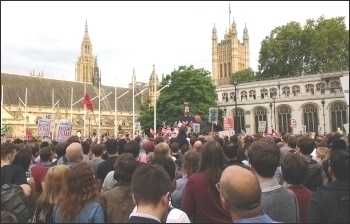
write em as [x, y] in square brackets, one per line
[133, 70]
[233, 22]
[86, 33]
[245, 30]
[214, 29]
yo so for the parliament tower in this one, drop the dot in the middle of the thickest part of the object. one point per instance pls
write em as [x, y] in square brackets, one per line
[230, 55]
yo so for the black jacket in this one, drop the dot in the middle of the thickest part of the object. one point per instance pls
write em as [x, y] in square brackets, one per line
[324, 206]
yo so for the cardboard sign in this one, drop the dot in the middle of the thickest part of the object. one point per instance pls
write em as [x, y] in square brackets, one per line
[64, 131]
[137, 126]
[196, 128]
[228, 123]
[213, 115]
[262, 126]
[293, 123]
[346, 127]
[320, 129]
[44, 127]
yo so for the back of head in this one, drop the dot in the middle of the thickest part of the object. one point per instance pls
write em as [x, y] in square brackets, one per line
[184, 148]
[72, 139]
[294, 168]
[125, 167]
[306, 144]
[86, 147]
[23, 158]
[292, 142]
[338, 144]
[45, 154]
[197, 145]
[234, 138]
[172, 140]
[193, 139]
[264, 156]
[149, 184]
[150, 147]
[339, 164]
[241, 193]
[231, 150]
[143, 143]
[285, 138]
[74, 152]
[167, 163]
[111, 146]
[174, 147]
[138, 139]
[248, 139]
[35, 148]
[132, 147]
[7, 149]
[158, 140]
[121, 145]
[161, 149]
[190, 163]
[44, 144]
[61, 149]
[97, 149]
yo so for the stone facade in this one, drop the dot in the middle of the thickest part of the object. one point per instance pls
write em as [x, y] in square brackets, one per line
[230, 55]
[297, 97]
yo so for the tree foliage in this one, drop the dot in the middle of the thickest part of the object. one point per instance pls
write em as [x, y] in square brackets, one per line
[186, 84]
[321, 45]
[246, 75]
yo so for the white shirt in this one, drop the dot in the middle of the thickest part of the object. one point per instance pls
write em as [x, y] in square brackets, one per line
[174, 216]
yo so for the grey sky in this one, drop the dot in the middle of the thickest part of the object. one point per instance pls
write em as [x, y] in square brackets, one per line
[46, 36]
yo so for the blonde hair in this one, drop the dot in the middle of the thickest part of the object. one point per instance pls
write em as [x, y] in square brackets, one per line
[54, 185]
[322, 153]
[162, 149]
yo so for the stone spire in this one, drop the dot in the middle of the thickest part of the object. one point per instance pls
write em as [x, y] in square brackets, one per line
[86, 32]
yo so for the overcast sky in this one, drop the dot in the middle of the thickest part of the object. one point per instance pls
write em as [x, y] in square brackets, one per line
[46, 36]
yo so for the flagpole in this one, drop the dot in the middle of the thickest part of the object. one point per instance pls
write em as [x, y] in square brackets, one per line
[25, 115]
[85, 113]
[2, 101]
[99, 110]
[71, 105]
[116, 112]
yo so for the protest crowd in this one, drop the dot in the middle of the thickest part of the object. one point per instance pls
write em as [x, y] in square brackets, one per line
[177, 178]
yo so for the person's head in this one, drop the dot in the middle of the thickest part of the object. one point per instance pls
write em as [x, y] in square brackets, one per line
[81, 188]
[285, 138]
[46, 154]
[322, 153]
[339, 165]
[23, 159]
[133, 148]
[150, 147]
[151, 187]
[125, 167]
[174, 147]
[172, 140]
[306, 145]
[72, 139]
[60, 149]
[143, 143]
[161, 149]
[322, 144]
[7, 217]
[138, 139]
[190, 163]
[44, 144]
[96, 150]
[86, 147]
[111, 146]
[168, 164]
[212, 162]
[193, 139]
[158, 140]
[121, 146]
[35, 148]
[248, 139]
[241, 195]
[234, 138]
[8, 152]
[338, 144]
[74, 152]
[197, 146]
[231, 150]
[294, 168]
[292, 142]
[55, 183]
[184, 148]
[225, 138]
[264, 158]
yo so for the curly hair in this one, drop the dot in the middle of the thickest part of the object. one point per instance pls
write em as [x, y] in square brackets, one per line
[190, 163]
[81, 188]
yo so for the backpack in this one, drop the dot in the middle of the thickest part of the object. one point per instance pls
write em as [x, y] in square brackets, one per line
[314, 180]
[14, 201]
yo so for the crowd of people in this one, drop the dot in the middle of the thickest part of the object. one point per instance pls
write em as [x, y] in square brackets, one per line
[184, 179]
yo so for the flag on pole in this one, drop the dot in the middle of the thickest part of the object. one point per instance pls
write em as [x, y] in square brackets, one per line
[88, 103]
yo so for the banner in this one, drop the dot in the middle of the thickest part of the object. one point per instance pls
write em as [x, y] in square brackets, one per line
[320, 129]
[44, 127]
[228, 123]
[293, 123]
[196, 127]
[213, 115]
[345, 86]
[262, 126]
[64, 131]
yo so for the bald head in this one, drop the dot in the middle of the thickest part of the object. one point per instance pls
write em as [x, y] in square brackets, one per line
[197, 146]
[74, 152]
[240, 189]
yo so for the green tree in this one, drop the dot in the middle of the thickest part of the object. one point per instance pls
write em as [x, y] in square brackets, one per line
[186, 84]
[243, 76]
[290, 50]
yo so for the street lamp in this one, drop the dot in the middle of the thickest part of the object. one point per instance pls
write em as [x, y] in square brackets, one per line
[235, 83]
[324, 120]
[155, 108]
[274, 108]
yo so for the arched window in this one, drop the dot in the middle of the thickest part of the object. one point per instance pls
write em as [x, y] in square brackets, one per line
[220, 70]
[335, 85]
[310, 88]
[284, 114]
[320, 87]
[244, 95]
[310, 117]
[338, 116]
[295, 90]
[232, 95]
[273, 92]
[224, 96]
[264, 93]
[252, 94]
[260, 114]
[240, 120]
[286, 91]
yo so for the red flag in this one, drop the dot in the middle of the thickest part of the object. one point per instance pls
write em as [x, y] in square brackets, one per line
[88, 103]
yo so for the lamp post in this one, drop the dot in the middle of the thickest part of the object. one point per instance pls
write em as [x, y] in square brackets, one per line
[274, 109]
[235, 83]
[324, 120]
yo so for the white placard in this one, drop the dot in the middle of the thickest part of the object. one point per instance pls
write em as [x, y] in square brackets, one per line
[303, 129]
[196, 128]
[64, 131]
[262, 126]
[345, 86]
[137, 126]
[44, 127]
[213, 115]
[346, 127]
[320, 129]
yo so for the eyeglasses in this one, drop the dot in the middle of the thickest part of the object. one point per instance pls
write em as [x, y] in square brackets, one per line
[218, 187]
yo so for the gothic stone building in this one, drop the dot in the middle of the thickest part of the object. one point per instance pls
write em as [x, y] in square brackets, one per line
[312, 100]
